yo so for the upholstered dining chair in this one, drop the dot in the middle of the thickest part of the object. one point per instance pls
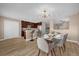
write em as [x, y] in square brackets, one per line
[43, 46]
[59, 42]
[53, 45]
[62, 41]
[35, 34]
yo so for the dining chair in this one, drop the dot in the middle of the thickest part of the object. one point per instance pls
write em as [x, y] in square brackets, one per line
[43, 46]
[62, 42]
[35, 34]
[54, 45]
[59, 42]
[39, 33]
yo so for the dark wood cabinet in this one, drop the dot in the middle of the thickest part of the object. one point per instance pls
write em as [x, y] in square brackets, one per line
[24, 24]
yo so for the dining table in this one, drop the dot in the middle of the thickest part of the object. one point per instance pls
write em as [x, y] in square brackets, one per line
[50, 39]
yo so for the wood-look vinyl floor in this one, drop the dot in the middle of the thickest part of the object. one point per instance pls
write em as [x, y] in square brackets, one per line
[19, 47]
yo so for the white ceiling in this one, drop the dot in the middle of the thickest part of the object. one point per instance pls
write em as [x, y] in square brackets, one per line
[32, 11]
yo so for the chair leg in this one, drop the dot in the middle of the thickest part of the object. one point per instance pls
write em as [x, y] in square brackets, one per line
[51, 53]
[64, 47]
[47, 54]
[60, 50]
[39, 53]
[54, 52]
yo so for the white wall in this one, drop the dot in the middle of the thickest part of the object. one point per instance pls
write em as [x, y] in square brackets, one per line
[1, 28]
[43, 27]
[73, 31]
[11, 29]
[51, 26]
[74, 27]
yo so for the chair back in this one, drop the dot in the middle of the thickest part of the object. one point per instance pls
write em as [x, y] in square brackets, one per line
[35, 34]
[42, 44]
[63, 39]
[54, 43]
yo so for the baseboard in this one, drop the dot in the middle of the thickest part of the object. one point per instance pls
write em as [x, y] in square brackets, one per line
[2, 39]
[73, 41]
[9, 38]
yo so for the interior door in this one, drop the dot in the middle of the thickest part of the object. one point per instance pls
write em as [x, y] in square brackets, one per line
[11, 29]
